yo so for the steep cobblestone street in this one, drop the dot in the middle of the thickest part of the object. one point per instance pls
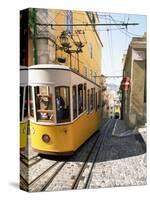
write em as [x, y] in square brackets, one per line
[124, 161]
[115, 156]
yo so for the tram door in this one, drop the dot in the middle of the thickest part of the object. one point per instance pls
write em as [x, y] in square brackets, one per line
[62, 95]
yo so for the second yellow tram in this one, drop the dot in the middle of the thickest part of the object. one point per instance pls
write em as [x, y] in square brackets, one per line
[65, 109]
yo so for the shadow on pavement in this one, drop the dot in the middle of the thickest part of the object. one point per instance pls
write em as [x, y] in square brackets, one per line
[123, 147]
[114, 148]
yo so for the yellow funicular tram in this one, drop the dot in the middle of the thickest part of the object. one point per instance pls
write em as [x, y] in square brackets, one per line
[65, 108]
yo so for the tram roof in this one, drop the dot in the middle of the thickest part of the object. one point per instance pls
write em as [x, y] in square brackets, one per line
[45, 66]
[23, 67]
[54, 66]
[49, 66]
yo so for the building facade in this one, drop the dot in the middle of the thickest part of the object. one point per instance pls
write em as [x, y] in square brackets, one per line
[51, 37]
[134, 98]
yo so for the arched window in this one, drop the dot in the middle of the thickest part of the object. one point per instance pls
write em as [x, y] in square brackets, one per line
[62, 94]
[80, 98]
[74, 100]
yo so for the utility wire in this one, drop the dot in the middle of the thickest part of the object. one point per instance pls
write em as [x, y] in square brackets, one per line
[91, 24]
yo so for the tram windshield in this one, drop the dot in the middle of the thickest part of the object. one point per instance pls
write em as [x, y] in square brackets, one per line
[44, 104]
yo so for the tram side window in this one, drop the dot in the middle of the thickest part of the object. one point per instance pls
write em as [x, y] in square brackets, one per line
[88, 100]
[21, 101]
[74, 99]
[96, 108]
[26, 103]
[99, 100]
[92, 99]
[80, 98]
[44, 106]
[31, 112]
[85, 100]
[62, 104]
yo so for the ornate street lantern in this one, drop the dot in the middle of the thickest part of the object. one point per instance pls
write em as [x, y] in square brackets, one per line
[64, 40]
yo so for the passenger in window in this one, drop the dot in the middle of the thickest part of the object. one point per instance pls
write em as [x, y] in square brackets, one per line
[60, 103]
[44, 104]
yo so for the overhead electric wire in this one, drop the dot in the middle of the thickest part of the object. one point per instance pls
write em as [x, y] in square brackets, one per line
[90, 24]
[109, 48]
[111, 45]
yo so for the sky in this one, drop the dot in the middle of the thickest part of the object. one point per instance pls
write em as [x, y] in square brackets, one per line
[116, 41]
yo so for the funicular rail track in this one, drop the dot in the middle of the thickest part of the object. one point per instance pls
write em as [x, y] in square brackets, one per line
[53, 177]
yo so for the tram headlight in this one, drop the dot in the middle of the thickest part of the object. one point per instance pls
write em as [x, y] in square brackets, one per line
[46, 138]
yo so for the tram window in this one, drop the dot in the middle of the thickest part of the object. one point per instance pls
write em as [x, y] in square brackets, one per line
[26, 103]
[80, 98]
[88, 99]
[21, 101]
[92, 99]
[85, 100]
[62, 104]
[99, 100]
[74, 99]
[44, 106]
[31, 102]
[96, 102]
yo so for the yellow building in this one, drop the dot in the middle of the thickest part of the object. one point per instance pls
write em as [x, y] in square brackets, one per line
[88, 60]
[46, 30]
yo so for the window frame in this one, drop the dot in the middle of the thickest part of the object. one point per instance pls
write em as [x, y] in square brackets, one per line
[31, 94]
[22, 107]
[73, 118]
[69, 21]
[91, 73]
[35, 105]
[88, 101]
[79, 113]
[91, 50]
[99, 100]
[85, 71]
[92, 100]
[85, 96]
[96, 102]
[69, 89]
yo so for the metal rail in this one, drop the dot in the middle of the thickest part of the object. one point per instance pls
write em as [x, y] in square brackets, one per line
[99, 141]
[96, 147]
